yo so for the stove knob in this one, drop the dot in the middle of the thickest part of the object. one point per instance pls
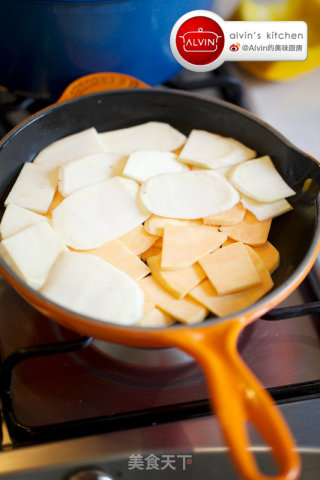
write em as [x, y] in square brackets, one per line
[90, 475]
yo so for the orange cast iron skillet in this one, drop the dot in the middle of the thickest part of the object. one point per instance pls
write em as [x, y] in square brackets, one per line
[236, 395]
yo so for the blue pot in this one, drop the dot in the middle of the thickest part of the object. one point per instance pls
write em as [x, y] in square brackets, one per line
[45, 45]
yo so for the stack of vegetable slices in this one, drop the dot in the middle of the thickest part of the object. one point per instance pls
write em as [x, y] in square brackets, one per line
[143, 226]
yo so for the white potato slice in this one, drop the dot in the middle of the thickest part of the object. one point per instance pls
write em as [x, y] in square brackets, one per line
[188, 195]
[262, 210]
[224, 171]
[99, 213]
[34, 188]
[32, 252]
[147, 136]
[87, 170]
[16, 218]
[90, 286]
[260, 180]
[145, 164]
[214, 151]
[70, 148]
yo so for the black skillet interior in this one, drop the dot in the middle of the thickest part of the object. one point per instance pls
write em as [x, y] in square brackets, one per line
[292, 233]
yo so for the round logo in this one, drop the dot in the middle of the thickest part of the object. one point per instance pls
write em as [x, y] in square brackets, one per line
[197, 40]
[234, 47]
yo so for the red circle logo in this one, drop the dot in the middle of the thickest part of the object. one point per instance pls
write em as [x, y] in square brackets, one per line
[200, 40]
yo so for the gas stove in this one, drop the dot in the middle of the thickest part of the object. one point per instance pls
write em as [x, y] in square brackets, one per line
[77, 408]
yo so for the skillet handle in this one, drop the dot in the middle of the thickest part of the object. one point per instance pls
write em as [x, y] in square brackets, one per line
[99, 82]
[237, 397]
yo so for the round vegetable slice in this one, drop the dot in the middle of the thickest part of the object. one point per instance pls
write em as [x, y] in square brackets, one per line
[260, 180]
[145, 164]
[90, 286]
[188, 195]
[99, 213]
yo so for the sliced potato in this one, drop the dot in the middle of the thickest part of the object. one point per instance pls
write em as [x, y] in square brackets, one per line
[189, 210]
[263, 210]
[257, 260]
[90, 286]
[224, 171]
[229, 241]
[230, 269]
[259, 179]
[145, 164]
[223, 305]
[99, 213]
[138, 240]
[155, 225]
[158, 243]
[147, 136]
[188, 195]
[214, 151]
[87, 170]
[150, 252]
[16, 218]
[250, 230]
[184, 245]
[229, 217]
[70, 148]
[155, 318]
[148, 305]
[269, 255]
[185, 310]
[178, 282]
[121, 257]
[31, 252]
[34, 188]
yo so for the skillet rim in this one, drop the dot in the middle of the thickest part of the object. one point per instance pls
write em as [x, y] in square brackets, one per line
[279, 292]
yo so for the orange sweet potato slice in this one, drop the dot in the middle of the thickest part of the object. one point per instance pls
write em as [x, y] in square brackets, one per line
[185, 310]
[269, 255]
[120, 256]
[230, 217]
[148, 305]
[249, 231]
[230, 269]
[150, 252]
[155, 225]
[177, 151]
[138, 240]
[57, 199]
[158, 243]
[257, 260]
[184, 245]
[224, 305]
[229, 241]
[178, 282]
[155, 318]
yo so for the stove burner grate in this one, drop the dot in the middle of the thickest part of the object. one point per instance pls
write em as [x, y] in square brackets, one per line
[23, 434]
